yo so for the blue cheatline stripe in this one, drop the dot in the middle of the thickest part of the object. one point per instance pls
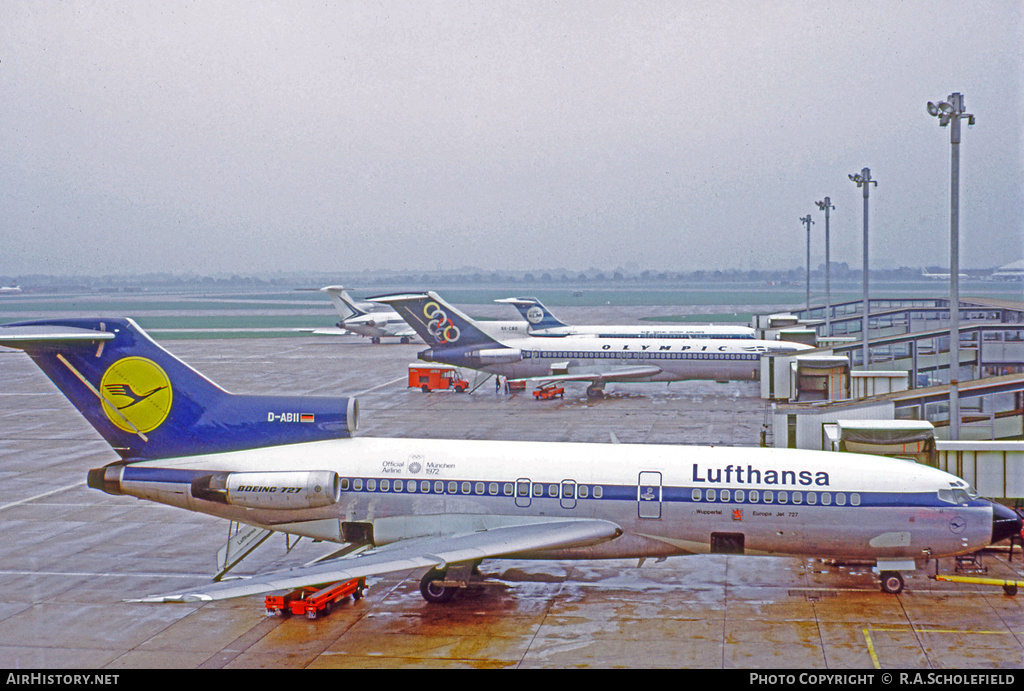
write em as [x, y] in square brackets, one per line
[635, 355]
[680, 495]
[672, 495]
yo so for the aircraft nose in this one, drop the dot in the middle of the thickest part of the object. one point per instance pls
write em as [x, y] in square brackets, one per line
[1006, 522]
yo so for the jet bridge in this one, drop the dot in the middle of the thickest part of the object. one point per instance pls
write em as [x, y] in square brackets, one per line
[910, 439]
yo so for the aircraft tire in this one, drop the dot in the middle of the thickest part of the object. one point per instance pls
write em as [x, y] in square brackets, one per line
[595, 392]
[433, 592]
[892, 582]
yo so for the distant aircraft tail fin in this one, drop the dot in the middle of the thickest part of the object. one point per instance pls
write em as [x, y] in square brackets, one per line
[534, 312]
[343, 302]
[438, 323]
[148, 404]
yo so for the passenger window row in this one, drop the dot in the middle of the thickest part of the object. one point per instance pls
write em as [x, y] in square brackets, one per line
[565, 490]
[754, 496]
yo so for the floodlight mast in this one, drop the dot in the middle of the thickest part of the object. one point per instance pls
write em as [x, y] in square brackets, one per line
[806, 220]
[825, 206]
[947, 112]
[864, 181]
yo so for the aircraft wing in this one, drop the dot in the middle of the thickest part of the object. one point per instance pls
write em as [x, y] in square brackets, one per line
[428, 552]
[611, 374]
[406, 332]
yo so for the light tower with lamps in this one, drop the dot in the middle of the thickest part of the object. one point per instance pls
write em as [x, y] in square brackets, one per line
[947, 112]
[825, 206]
[806, 220]
[863, 180]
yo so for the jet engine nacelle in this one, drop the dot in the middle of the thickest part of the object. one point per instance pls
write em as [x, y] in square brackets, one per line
[495, 356]
[271, 490]
[480, 357]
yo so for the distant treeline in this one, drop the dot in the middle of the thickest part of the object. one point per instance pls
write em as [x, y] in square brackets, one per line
[467, 276]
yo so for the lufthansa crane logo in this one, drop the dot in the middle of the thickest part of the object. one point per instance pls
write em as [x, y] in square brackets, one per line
[136, 394]
[440, 326]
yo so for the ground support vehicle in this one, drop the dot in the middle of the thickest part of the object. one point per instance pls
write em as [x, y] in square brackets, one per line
[436, 377]
[549, 391]
[313, 602]
[1009, 586]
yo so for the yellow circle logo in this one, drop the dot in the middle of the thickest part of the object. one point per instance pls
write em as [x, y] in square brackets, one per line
[136, 394]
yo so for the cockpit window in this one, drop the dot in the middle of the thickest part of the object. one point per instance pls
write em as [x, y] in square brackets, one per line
[956, 495]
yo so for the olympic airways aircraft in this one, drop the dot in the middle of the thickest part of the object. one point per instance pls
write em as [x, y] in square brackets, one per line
[543, 323]
[291, 464]
[455, 339]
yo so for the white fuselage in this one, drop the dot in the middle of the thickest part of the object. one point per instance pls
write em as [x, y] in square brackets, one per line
[662, 332]
[377, 325]
[667, 499]
[668, 359]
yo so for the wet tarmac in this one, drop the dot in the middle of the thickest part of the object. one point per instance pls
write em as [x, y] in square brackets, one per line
[70, 555]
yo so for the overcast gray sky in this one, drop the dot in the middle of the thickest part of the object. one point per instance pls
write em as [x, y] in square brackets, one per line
[261, 136]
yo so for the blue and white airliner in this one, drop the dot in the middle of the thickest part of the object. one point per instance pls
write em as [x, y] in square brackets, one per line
[376, 321]
[367, 319]
[543, 323]
[290, 464]
[455, 339]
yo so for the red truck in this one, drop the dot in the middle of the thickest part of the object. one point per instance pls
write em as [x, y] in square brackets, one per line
[436, 377]
[549, 391]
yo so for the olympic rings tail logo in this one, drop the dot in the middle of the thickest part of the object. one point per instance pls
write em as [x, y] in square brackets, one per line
[439, 325]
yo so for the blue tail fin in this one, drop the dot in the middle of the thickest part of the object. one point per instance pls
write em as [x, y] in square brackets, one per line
[438, 323]
[148, 404]
[534, 312]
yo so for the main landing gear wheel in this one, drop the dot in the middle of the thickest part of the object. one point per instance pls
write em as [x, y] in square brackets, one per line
[595, 392]
[432, 591]
[892, 582]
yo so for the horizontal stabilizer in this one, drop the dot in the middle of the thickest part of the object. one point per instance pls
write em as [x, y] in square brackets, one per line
[148, 404]
[24, 337]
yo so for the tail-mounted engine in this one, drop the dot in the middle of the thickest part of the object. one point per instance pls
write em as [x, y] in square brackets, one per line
[270, 490]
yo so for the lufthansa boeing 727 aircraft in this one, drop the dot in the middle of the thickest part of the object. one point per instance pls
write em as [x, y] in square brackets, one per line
[543, 323]
[455, 339]
[289, 464]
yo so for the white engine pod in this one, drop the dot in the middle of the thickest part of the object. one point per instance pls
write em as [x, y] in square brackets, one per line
[496, 356]
[283, 490]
